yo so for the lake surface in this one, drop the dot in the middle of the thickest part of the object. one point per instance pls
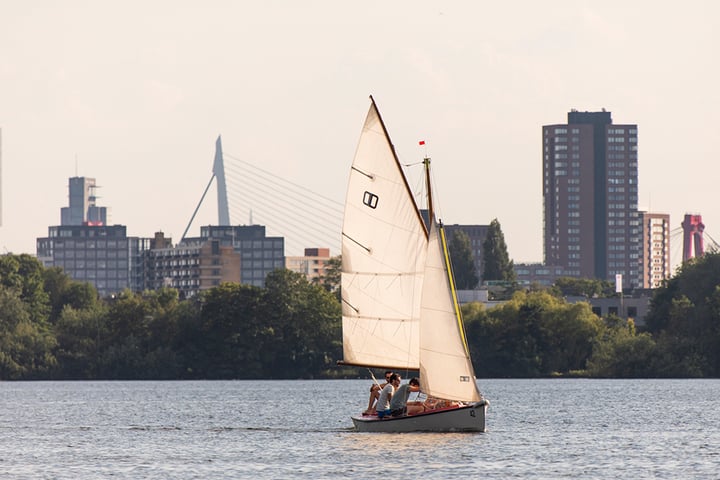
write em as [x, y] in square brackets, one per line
[538, 429]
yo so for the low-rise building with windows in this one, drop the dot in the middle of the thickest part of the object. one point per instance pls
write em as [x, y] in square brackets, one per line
[259, 254]
[102, 255]
[191, 267]
[312, 264]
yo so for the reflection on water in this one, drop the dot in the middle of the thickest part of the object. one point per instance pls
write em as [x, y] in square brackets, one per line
[302, 429]
[405, 444]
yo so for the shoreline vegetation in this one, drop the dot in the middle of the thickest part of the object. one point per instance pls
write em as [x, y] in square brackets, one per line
[55, 328]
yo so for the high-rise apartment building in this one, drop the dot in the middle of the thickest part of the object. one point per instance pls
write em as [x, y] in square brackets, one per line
[655, 267]
[591, 225]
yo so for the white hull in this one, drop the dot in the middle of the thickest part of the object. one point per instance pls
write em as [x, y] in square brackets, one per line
[469, 418]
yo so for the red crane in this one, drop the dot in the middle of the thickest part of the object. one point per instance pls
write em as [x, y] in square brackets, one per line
[693, 244]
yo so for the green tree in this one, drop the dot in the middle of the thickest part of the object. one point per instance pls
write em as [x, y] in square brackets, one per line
[306, 322]
[128, 316]
[533, 334]
[461, 257]
[684, 319]
[24, 274]
[63, 291]
[55, 283]
[79, 333]
[140, 330]
[289, 329]
[25, 346]
[572, 332]
[229, 338]
[621, 352]
[695, 280]
[497, 263]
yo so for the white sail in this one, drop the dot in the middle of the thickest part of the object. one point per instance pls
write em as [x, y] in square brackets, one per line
[383, 256]
[446, 370]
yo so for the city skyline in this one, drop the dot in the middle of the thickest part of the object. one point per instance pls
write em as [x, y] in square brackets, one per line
[286, 86]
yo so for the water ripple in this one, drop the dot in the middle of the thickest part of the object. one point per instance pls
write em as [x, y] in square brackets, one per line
[538, 429]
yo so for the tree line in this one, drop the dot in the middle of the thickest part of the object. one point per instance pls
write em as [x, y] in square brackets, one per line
[52, 327]
[538, 334]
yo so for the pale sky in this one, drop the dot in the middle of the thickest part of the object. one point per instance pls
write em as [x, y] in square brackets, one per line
[134, 94]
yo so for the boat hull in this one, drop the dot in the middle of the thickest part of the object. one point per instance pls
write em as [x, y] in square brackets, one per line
[469, 418]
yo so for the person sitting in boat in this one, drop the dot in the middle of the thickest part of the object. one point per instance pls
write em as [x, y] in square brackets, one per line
[375, 393]
[383, 403]
[398, 403]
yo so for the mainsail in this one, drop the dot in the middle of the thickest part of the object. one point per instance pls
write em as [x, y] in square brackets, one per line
[446, 370]
[384, 242]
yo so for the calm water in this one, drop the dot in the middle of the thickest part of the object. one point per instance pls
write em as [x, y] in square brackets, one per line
[625, 429]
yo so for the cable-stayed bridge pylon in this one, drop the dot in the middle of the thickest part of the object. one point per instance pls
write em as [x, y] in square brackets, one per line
[248, 194]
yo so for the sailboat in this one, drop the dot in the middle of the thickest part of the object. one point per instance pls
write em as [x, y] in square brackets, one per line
[399, 305]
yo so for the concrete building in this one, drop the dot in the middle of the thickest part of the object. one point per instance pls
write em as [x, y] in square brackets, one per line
[312, 264]
[590, 193]
[635, 307]
[82, 208]
[191, 267]
[528, 274]
[222, 253]
[88, 249]
[101, 255]
[655, 267]
[259, 254]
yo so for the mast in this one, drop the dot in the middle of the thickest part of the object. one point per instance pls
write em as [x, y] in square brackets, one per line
[446, 369]
[446, 257]
[431, 212]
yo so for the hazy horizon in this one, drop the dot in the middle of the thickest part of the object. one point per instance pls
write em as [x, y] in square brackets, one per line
[134, 94]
